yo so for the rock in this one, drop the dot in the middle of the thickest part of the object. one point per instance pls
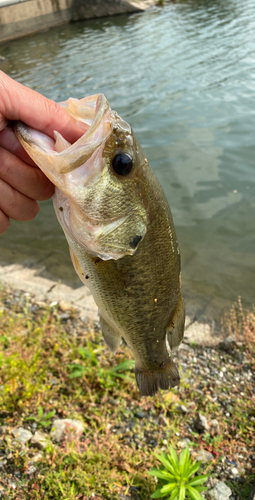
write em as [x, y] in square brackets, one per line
[182, 409]
[201, 424]
[203, 456]
[214, 427]
[22, 435]
[139, 414]
[72, 429]
[65, 306]
[39, 440]
[184, 443]
[64, 316]
[228, 344]
[36, 458]
[3, 429]
[31, 470]
[202, 333]
[220, 492]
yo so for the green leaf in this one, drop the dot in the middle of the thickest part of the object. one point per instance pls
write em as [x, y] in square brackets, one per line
[40, 412]
[194, 468]
[84, 353]
[158, 494]
[45, 424]
[125, 365]
[162, 474]
[167, 488]
[77, 370]
[182, 493]
[173, 455]
[198, 480]
[174, 494]
[193, 494]
[32, 418]
[50, 414]
[184, 459]
[201, 488]
[165, 461]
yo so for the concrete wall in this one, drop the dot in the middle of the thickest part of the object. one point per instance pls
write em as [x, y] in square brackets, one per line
[30, 16]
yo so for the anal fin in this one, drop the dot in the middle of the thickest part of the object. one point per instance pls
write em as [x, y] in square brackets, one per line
[175, 328]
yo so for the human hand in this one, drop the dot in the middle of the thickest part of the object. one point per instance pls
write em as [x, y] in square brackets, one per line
[22, 183]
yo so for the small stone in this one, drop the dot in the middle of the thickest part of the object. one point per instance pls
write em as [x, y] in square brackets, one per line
[201, 424]
[227, 344]
[65, 306]
[41, 304]
[64, 316]
[203, 456]
[140, 414]
[72, 429]
[235, 471]
[31, 469]
[184, 443]
[162, 420]
[36, 458]
[22, 435]
[215, 428]
[184, 409]
[39, 440]
[220, 492]
[3, 429]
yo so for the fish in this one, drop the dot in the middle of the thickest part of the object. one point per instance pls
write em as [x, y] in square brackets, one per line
[121, 235]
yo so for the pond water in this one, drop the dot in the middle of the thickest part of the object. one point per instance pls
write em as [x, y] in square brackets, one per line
[183, 76]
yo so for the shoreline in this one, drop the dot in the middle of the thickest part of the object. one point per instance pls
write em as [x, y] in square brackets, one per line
[198, 329]
[29, 17]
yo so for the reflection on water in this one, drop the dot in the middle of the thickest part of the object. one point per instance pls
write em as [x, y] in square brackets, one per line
[183, 77]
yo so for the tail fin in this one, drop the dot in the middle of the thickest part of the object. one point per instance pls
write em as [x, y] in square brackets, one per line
[150, 381]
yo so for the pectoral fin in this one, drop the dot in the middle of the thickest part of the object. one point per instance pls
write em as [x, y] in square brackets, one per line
[111, 337]
[175, 328]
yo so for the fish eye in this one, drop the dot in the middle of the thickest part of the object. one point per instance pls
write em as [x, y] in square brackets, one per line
[122, 164]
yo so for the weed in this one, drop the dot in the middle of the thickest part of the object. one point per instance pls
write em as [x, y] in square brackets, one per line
[241, 325]
[62, 369]
[175, 476]
[42, 419]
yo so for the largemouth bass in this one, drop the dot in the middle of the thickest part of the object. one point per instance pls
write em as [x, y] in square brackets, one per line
[121, 235]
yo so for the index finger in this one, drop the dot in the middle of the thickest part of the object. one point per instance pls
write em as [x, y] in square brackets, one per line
[18, 102]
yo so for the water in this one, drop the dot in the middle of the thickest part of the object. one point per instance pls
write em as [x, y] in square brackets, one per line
[184, 78]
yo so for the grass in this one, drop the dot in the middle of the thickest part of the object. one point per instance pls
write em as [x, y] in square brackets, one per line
[61, 369]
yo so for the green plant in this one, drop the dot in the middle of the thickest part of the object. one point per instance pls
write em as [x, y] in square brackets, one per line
[42, 419]
[175, 476]
[91, 366]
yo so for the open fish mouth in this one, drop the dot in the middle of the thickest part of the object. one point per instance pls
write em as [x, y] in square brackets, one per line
[65, 157]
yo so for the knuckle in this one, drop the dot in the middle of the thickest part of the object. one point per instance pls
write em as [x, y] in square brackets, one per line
[46, 189]
[29, 210]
